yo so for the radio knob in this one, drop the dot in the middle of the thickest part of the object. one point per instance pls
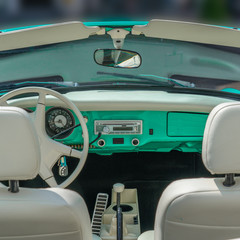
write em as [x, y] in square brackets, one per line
[135, 142]
[106, 129]
[101, 143]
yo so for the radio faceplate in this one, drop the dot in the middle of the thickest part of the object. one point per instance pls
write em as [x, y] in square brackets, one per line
[116, 127]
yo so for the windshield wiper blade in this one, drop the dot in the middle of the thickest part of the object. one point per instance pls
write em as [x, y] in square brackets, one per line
[176, 82]
[149, 79]
[137, 77]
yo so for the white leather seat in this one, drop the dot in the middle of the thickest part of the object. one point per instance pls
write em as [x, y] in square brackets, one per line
[52, 214]
[205, 208]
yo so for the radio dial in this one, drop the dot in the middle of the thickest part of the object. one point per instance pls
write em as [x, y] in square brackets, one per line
[106, 129]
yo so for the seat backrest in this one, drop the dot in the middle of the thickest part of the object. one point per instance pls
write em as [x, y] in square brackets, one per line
[19, 146]
[207, 208]
[34, 214]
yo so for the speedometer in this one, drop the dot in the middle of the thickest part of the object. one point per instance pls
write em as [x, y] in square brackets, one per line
[58, 120]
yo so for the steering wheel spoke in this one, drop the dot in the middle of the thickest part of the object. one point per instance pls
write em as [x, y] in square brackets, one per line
[58, 150]
[76, 153]
[4, 103]
[52, 151]
[47, 175]
[39, 114]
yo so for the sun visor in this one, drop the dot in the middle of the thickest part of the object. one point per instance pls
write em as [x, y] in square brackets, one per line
[190, 32]
[43, 35]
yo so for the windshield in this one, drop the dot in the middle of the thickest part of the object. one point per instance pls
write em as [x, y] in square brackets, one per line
[187, 64]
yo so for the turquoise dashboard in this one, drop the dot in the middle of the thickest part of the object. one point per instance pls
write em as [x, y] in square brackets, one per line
[161, 131]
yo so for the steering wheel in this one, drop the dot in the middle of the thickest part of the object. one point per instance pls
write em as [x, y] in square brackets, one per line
[51, 151]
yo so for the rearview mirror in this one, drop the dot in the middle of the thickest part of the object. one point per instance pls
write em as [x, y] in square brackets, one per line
[117, 58]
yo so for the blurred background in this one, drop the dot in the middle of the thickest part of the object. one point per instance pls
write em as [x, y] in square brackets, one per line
[14, 13]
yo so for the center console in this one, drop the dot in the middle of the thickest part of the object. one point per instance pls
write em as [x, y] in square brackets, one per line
[130, 216]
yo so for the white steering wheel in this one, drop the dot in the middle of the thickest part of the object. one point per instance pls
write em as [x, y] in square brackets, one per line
[51, 151]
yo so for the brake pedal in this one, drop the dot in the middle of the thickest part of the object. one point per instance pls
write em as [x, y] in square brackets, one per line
[99, 209]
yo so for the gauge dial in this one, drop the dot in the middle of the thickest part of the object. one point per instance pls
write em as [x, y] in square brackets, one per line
[58, 120]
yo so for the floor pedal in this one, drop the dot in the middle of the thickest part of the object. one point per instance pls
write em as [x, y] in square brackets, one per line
[100, 207]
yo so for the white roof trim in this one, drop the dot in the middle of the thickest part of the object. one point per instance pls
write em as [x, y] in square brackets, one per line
[190, 32]
[49, 34]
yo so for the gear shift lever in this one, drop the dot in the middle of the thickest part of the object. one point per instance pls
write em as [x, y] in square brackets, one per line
[118, 188]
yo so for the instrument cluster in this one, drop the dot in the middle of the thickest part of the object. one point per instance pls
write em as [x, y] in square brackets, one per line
[58, 120]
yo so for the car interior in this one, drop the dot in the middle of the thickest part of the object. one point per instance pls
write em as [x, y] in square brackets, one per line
[118, 161]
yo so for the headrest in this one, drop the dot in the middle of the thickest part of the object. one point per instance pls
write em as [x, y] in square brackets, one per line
[19, 146]
[221, 140]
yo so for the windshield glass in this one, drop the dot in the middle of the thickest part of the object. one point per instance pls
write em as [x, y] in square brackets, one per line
[186, 64]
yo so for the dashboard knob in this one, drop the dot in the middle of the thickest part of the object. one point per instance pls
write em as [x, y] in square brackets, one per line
[101, 143]
[135, 142]
[106, 129]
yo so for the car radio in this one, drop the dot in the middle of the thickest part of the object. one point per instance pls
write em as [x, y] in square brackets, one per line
[115, 127]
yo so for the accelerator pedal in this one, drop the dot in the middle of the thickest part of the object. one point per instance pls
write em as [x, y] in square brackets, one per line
[100, 207]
